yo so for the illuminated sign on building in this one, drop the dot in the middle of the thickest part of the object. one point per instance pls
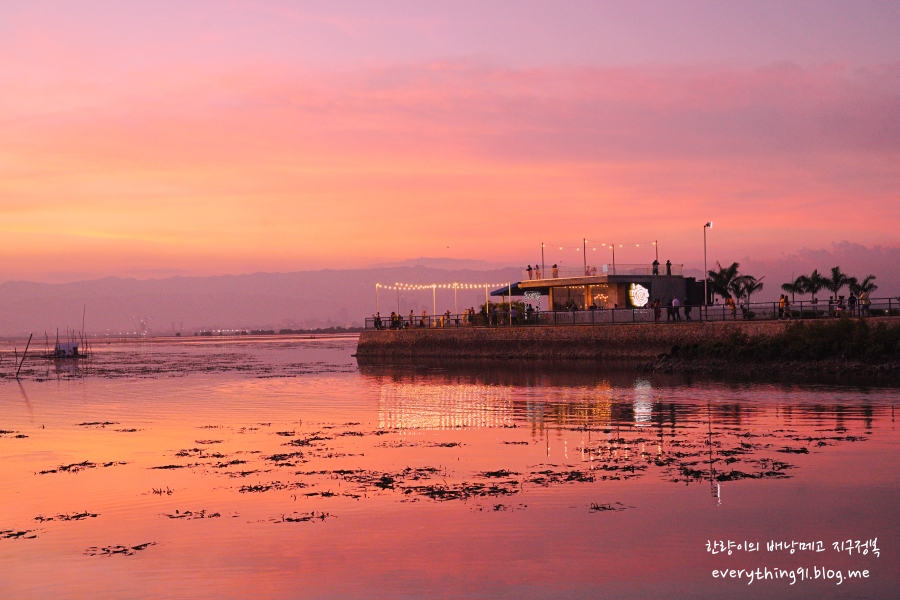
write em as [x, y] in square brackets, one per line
[639, 295]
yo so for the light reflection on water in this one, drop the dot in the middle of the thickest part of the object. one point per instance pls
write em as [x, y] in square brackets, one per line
[459, 481]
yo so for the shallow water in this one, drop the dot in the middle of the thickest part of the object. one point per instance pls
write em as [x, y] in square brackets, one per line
[204, 469]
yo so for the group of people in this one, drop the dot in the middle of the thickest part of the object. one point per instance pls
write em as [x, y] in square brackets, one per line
[396, 321]
[537, 273]
[469, 317]
[855, 305]
[673, 310]
[656, 267]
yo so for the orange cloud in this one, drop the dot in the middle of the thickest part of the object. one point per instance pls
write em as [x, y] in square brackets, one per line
[277, 167]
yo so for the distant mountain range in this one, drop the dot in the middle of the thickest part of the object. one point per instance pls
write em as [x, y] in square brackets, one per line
[304, 299]
[330, 298]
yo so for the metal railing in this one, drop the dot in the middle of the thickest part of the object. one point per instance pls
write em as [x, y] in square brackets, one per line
[756, 311]
[597, 270]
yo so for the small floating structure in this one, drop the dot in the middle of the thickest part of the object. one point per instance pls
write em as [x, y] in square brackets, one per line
[66, 350]
[72, 348]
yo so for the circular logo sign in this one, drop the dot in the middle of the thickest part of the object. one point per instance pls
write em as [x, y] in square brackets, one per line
[639, 295]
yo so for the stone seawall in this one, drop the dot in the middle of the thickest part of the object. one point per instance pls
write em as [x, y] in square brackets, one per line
[638, 341]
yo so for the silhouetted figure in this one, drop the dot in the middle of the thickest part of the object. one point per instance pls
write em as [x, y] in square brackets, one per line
[668, 267]
[656, 267]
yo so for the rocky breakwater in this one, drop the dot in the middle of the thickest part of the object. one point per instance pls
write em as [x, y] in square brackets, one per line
[641, 342]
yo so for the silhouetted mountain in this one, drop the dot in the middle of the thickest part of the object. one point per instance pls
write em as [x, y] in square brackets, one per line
[304, 299]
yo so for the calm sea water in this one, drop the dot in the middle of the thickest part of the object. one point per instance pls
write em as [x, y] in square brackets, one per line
[203, 469]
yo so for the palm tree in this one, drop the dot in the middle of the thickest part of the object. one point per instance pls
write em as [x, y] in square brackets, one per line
[722, 279]
[798, 286]
[813, 283]
[866, 286]
[752, 285]
[837, 281]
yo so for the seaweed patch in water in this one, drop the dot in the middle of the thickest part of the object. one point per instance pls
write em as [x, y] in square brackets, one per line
[16, 534]
[462, 491]
[497, 474]
[224, 465]
[97, 423]
[78, 467]
[187, 514]
[67, 517]
[273, 485]
[207, 441]
[307, 441]
[548, 476]
[242, 473]
[790, 450]
[298, 517]
[614, 507]
[112, 550]
[281, 458]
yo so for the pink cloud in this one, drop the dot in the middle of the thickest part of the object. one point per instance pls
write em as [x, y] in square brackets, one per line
[268, 164]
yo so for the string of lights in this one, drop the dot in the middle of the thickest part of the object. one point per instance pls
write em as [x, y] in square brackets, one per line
[439, 286]
[597, 244]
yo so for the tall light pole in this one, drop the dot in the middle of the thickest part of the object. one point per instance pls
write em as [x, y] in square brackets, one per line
[705, 272]
[377, 285]
[584, 251]
[542, 259]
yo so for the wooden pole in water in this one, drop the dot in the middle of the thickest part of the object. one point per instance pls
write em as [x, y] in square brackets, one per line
[23, 355]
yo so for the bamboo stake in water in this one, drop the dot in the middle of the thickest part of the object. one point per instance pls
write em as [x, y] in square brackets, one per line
[23, 356]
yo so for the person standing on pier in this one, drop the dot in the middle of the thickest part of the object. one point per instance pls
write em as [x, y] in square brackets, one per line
[655, 267]
[530, 274]
[668, 267]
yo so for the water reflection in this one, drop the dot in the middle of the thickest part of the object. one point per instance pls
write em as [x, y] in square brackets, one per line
[314, 479]
[632, 426]
[423, 405]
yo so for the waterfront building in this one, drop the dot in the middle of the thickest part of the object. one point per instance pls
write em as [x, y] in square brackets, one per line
[607, 286]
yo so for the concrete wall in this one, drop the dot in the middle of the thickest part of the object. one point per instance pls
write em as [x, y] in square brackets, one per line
[637, 341]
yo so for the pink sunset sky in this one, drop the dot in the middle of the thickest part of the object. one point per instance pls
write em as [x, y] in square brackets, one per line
[158, 138]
